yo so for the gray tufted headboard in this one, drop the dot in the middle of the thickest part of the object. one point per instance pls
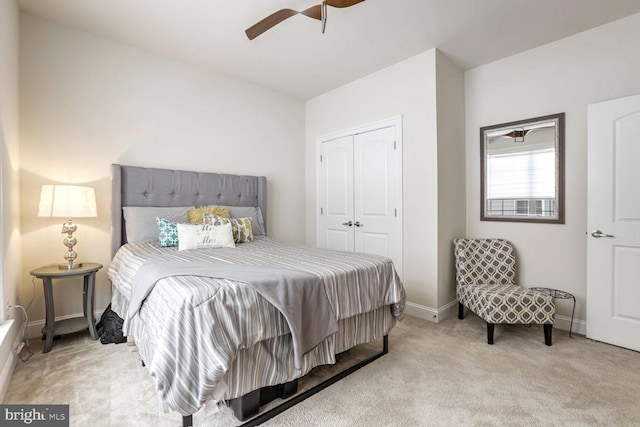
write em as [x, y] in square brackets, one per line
[140, 186]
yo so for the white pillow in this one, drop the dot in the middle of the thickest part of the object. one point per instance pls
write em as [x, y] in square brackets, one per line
[199, 236]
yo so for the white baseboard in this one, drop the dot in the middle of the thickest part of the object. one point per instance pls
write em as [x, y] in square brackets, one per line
[8, 340]
[429, 313]
[563, 323]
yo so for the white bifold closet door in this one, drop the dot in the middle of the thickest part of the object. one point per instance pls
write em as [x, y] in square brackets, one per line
[361, 194]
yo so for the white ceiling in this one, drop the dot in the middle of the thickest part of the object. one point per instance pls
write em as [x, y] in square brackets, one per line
[296, 59]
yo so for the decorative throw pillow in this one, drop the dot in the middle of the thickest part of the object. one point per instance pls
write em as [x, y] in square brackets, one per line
[241, 227]
[199, 236]
[253, 212]
[168, 232]
[195, 214]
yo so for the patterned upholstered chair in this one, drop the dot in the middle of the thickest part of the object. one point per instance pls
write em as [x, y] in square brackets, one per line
[485, 284]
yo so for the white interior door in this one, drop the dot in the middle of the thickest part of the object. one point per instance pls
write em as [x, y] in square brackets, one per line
[378, 228]
[360, 190]
[613, 249]
[336, 195]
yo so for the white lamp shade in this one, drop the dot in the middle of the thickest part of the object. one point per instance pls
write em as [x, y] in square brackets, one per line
[67, 201]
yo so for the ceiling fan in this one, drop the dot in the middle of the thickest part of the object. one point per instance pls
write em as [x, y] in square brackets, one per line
[318, 12]
[516, 133]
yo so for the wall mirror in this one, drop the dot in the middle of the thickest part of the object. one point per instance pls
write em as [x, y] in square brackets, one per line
[522, 170]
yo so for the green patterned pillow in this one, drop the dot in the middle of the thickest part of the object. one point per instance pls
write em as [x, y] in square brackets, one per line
[241, 227]
[168, 232]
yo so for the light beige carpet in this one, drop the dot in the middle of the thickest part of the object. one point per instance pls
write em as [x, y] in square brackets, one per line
[434, 375]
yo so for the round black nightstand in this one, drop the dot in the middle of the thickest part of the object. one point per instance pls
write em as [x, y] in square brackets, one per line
[67, 326]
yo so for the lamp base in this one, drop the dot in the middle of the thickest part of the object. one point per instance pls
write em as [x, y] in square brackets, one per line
[69, 266]
[69, 227]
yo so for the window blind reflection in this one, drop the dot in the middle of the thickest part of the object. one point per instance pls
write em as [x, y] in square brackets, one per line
[522, 175]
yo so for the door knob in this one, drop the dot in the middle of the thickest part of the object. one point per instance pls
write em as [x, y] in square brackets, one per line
[348, 223]
[598, 234]
[358, 224]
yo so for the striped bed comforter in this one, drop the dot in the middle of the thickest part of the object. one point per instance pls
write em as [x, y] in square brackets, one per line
[210, 339]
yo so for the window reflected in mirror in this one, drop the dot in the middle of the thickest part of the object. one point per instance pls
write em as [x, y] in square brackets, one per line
[522, 170]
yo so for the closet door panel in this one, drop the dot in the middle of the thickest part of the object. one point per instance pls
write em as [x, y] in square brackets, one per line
[377, 199]
[336, 195]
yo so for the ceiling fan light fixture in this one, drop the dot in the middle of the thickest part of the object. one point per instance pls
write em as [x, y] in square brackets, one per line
[518, 135]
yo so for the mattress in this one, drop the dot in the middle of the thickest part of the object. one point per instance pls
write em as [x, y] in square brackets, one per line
[208, 339]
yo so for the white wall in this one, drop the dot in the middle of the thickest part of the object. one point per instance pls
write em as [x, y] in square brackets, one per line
[407, 89]
[564, 76]
[10, 252]
[87, 102]
[451, 173]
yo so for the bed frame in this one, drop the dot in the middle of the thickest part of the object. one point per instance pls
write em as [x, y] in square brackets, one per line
[141, 186]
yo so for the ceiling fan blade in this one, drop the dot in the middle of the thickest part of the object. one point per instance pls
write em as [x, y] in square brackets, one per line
[275, 18]
[342, 3]
[314, 12]
[269, 22]
[518, 133]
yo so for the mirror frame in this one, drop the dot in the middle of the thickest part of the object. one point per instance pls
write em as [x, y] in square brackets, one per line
[559, 170]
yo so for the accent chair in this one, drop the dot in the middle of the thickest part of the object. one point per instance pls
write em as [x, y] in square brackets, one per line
[485, 284]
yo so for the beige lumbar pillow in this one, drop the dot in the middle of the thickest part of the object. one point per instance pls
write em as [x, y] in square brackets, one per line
[241, 227]
[195, 215]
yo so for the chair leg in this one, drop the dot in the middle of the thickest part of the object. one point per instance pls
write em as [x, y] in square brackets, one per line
[548, 329]
[460, 310]
[490, 328]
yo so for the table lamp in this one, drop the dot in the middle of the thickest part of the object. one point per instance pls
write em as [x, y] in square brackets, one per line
[68, 201]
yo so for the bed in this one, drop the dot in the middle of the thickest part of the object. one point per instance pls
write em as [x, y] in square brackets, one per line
[206, 337]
